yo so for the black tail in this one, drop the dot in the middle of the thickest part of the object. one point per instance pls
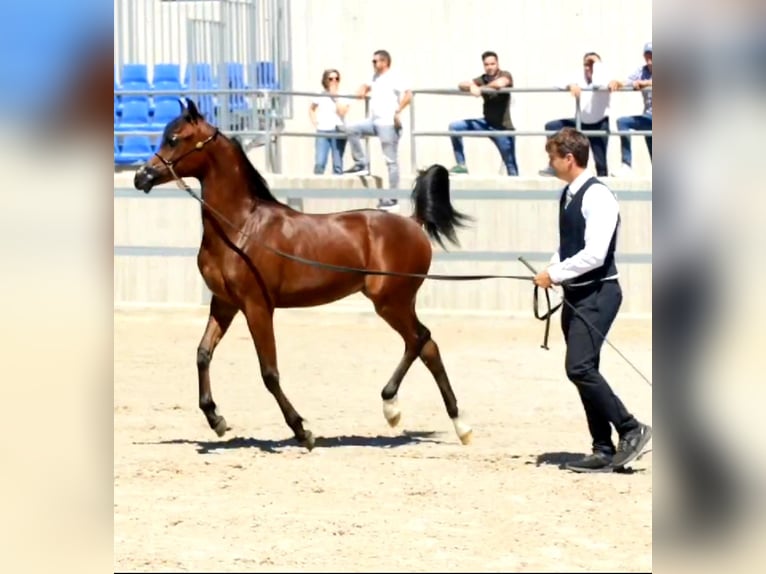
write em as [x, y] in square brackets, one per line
[433, 207]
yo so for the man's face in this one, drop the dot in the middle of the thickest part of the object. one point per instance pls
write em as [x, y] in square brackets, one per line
[379, 63]
[648, 59]
[587, 65]
[561, 165]
[490, 66]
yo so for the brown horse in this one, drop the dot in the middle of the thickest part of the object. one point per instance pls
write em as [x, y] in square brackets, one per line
[243, 223]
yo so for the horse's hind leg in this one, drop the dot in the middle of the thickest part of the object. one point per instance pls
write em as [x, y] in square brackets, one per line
[221, 316]
[260, 321]
[417, 343]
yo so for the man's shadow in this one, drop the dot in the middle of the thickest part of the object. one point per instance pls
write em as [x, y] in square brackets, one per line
[277, 446]
[561, 458]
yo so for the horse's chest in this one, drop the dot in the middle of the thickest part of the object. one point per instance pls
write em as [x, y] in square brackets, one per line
[212, 273]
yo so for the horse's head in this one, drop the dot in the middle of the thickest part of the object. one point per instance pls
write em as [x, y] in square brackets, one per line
[178, 155]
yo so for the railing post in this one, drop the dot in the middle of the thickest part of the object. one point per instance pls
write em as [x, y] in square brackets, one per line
[413, 155]
[367, 138]
[578, 118]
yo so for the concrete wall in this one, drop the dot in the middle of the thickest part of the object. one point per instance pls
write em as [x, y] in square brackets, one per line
[156, 239]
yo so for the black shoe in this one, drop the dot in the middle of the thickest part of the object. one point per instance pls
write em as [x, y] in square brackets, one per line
[596, 462]
[631, 445]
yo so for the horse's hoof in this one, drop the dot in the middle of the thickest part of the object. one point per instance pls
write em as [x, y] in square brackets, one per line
[220, 427]
[391, 411]
[463, 430]
[309, 441]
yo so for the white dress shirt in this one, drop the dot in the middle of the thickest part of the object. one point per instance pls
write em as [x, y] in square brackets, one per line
[600, 210]
[594, 105]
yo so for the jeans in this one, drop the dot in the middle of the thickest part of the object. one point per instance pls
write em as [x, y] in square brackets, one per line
[322, 148]
[389, 142]
[506, 145]
[643, 122]
[598, 144]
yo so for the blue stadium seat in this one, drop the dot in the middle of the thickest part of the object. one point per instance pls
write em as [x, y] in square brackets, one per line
[201, 76]
[164, 112]
[134, 77]
[135, 116]
[135, 149]
[235, 73]
[134, 73]
[167, 77]
[265, 75]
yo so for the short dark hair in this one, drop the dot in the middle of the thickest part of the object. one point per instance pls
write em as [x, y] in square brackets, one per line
[384, 53]
[569, 140]
[489, 53]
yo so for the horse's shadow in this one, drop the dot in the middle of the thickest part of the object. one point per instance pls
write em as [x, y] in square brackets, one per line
[277, 446]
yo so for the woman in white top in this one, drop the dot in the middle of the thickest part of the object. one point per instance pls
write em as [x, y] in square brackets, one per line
[327, 113]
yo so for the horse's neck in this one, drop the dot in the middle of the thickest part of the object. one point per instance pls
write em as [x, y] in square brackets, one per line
[225, 191]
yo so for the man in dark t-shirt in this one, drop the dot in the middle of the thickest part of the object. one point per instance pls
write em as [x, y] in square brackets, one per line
[496, 111]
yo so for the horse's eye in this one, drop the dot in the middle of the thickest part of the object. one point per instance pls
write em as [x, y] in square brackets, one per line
[173, 141]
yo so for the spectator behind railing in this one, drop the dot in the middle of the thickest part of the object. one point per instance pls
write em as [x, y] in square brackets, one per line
[496, 111]
[327, 115]
[389, 95]
[594, 110]
[640, 79]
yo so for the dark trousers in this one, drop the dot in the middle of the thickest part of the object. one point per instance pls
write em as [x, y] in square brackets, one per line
[599, 304]
[598, 144]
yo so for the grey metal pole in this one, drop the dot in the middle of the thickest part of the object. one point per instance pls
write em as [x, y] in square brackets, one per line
[413, 154]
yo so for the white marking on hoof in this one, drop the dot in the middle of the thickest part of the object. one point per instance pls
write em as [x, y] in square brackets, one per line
[391, 411]
[221, 427]
[463, 430]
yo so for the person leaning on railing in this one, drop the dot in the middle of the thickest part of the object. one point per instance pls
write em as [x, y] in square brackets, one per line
[389, 95]
[496, 111]
[640, 79]
[327, 115]
[594, 110]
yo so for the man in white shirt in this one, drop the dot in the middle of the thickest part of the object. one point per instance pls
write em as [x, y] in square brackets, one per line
[585, 267]
[594, 110]
[389, 96]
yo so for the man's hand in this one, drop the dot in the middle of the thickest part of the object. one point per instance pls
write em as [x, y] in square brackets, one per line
[543, 279]
[475, 90]
[614, 85]
[575, 90]
[640, 84]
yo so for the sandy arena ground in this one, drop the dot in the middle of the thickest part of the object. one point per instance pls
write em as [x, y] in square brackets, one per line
[369, 498]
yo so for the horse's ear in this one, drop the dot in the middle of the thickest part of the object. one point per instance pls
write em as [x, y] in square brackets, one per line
[192, 109]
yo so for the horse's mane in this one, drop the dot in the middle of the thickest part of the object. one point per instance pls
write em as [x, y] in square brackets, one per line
[256, 185]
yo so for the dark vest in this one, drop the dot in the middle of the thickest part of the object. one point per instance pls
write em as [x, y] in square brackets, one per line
[572, 235]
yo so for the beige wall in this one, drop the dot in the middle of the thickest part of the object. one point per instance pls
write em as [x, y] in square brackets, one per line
[437, 43]
[507, 225]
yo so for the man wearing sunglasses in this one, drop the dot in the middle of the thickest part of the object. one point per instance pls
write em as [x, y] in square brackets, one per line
[389, 96]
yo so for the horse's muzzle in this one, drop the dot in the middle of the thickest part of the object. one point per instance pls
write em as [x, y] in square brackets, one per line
[145, 178]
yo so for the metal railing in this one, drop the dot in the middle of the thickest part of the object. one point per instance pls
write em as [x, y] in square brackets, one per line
[272, 125]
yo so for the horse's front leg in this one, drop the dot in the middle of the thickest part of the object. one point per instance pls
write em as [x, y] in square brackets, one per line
[260, 320]
[221, 316]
